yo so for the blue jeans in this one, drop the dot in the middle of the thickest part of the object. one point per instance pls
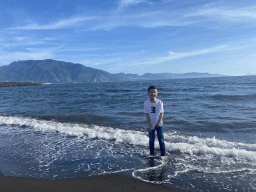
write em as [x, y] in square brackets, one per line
[160, 135]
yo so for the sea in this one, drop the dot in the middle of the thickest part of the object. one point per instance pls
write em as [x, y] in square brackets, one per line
[58, 131]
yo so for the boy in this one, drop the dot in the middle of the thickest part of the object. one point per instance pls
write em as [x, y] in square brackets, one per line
[153, 108]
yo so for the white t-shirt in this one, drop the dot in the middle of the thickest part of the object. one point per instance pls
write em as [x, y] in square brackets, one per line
[154, 110]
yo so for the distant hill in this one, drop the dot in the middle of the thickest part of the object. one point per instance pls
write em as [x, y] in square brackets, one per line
[156, 76]
[51, 71]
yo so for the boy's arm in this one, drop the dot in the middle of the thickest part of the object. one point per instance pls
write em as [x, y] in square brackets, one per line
[160, 115]
[148, 120]
[159, 119]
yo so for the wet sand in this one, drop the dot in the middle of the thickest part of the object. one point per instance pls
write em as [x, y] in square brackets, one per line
[113, 183]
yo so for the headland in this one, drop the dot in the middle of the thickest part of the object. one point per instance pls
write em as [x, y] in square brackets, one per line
[16, 84]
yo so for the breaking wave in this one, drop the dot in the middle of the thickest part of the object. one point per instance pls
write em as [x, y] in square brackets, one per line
[173, 140]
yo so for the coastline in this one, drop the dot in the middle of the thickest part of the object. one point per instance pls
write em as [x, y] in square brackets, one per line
[16, 84]
[113, 182]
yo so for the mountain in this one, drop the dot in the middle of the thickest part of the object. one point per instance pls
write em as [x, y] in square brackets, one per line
[250, 74]
[156, 76]
[52, 71]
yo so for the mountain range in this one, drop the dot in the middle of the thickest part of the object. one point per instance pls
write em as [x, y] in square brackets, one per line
[156, 76]
[52, 71]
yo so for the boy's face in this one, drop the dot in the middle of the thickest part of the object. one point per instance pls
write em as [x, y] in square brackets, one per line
[152, 93]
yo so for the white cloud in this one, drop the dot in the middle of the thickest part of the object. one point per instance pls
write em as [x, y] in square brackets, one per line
[57, 25]
[8, 57]
[147, 19]
[124, 4]
[29, 42]
[144, 19]
[245, 14]
[109, 21]
[21, 38]
[176, 56]
[152, 19]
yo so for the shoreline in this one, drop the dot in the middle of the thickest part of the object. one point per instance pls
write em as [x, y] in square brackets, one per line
[16, 84]
[113, 182]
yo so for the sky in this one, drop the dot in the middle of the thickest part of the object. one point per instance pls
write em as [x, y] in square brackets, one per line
[133, 36]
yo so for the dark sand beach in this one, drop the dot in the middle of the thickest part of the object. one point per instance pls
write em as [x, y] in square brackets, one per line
[113, 182]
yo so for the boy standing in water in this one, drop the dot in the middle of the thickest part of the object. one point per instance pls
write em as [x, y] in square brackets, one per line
[154, 110]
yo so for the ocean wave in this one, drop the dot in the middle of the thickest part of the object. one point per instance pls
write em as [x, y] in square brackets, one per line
[173, 141]
[118, 90]
[78, 130]
[234, 97]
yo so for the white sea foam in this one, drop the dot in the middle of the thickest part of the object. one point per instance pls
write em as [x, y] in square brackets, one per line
[135, 173]
[185, 144]
[79, 130]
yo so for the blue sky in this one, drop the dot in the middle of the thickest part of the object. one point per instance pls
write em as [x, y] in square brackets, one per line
[133, 36]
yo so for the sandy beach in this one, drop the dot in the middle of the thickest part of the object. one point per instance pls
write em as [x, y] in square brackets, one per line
[113, 182]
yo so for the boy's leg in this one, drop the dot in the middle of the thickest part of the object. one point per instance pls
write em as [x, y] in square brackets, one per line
[160, 135]
[151, 136]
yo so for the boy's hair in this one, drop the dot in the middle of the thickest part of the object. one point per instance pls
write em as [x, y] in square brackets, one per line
[152, 87]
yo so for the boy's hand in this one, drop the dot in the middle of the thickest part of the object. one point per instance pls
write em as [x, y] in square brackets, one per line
[159, 120]
[150, 129]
